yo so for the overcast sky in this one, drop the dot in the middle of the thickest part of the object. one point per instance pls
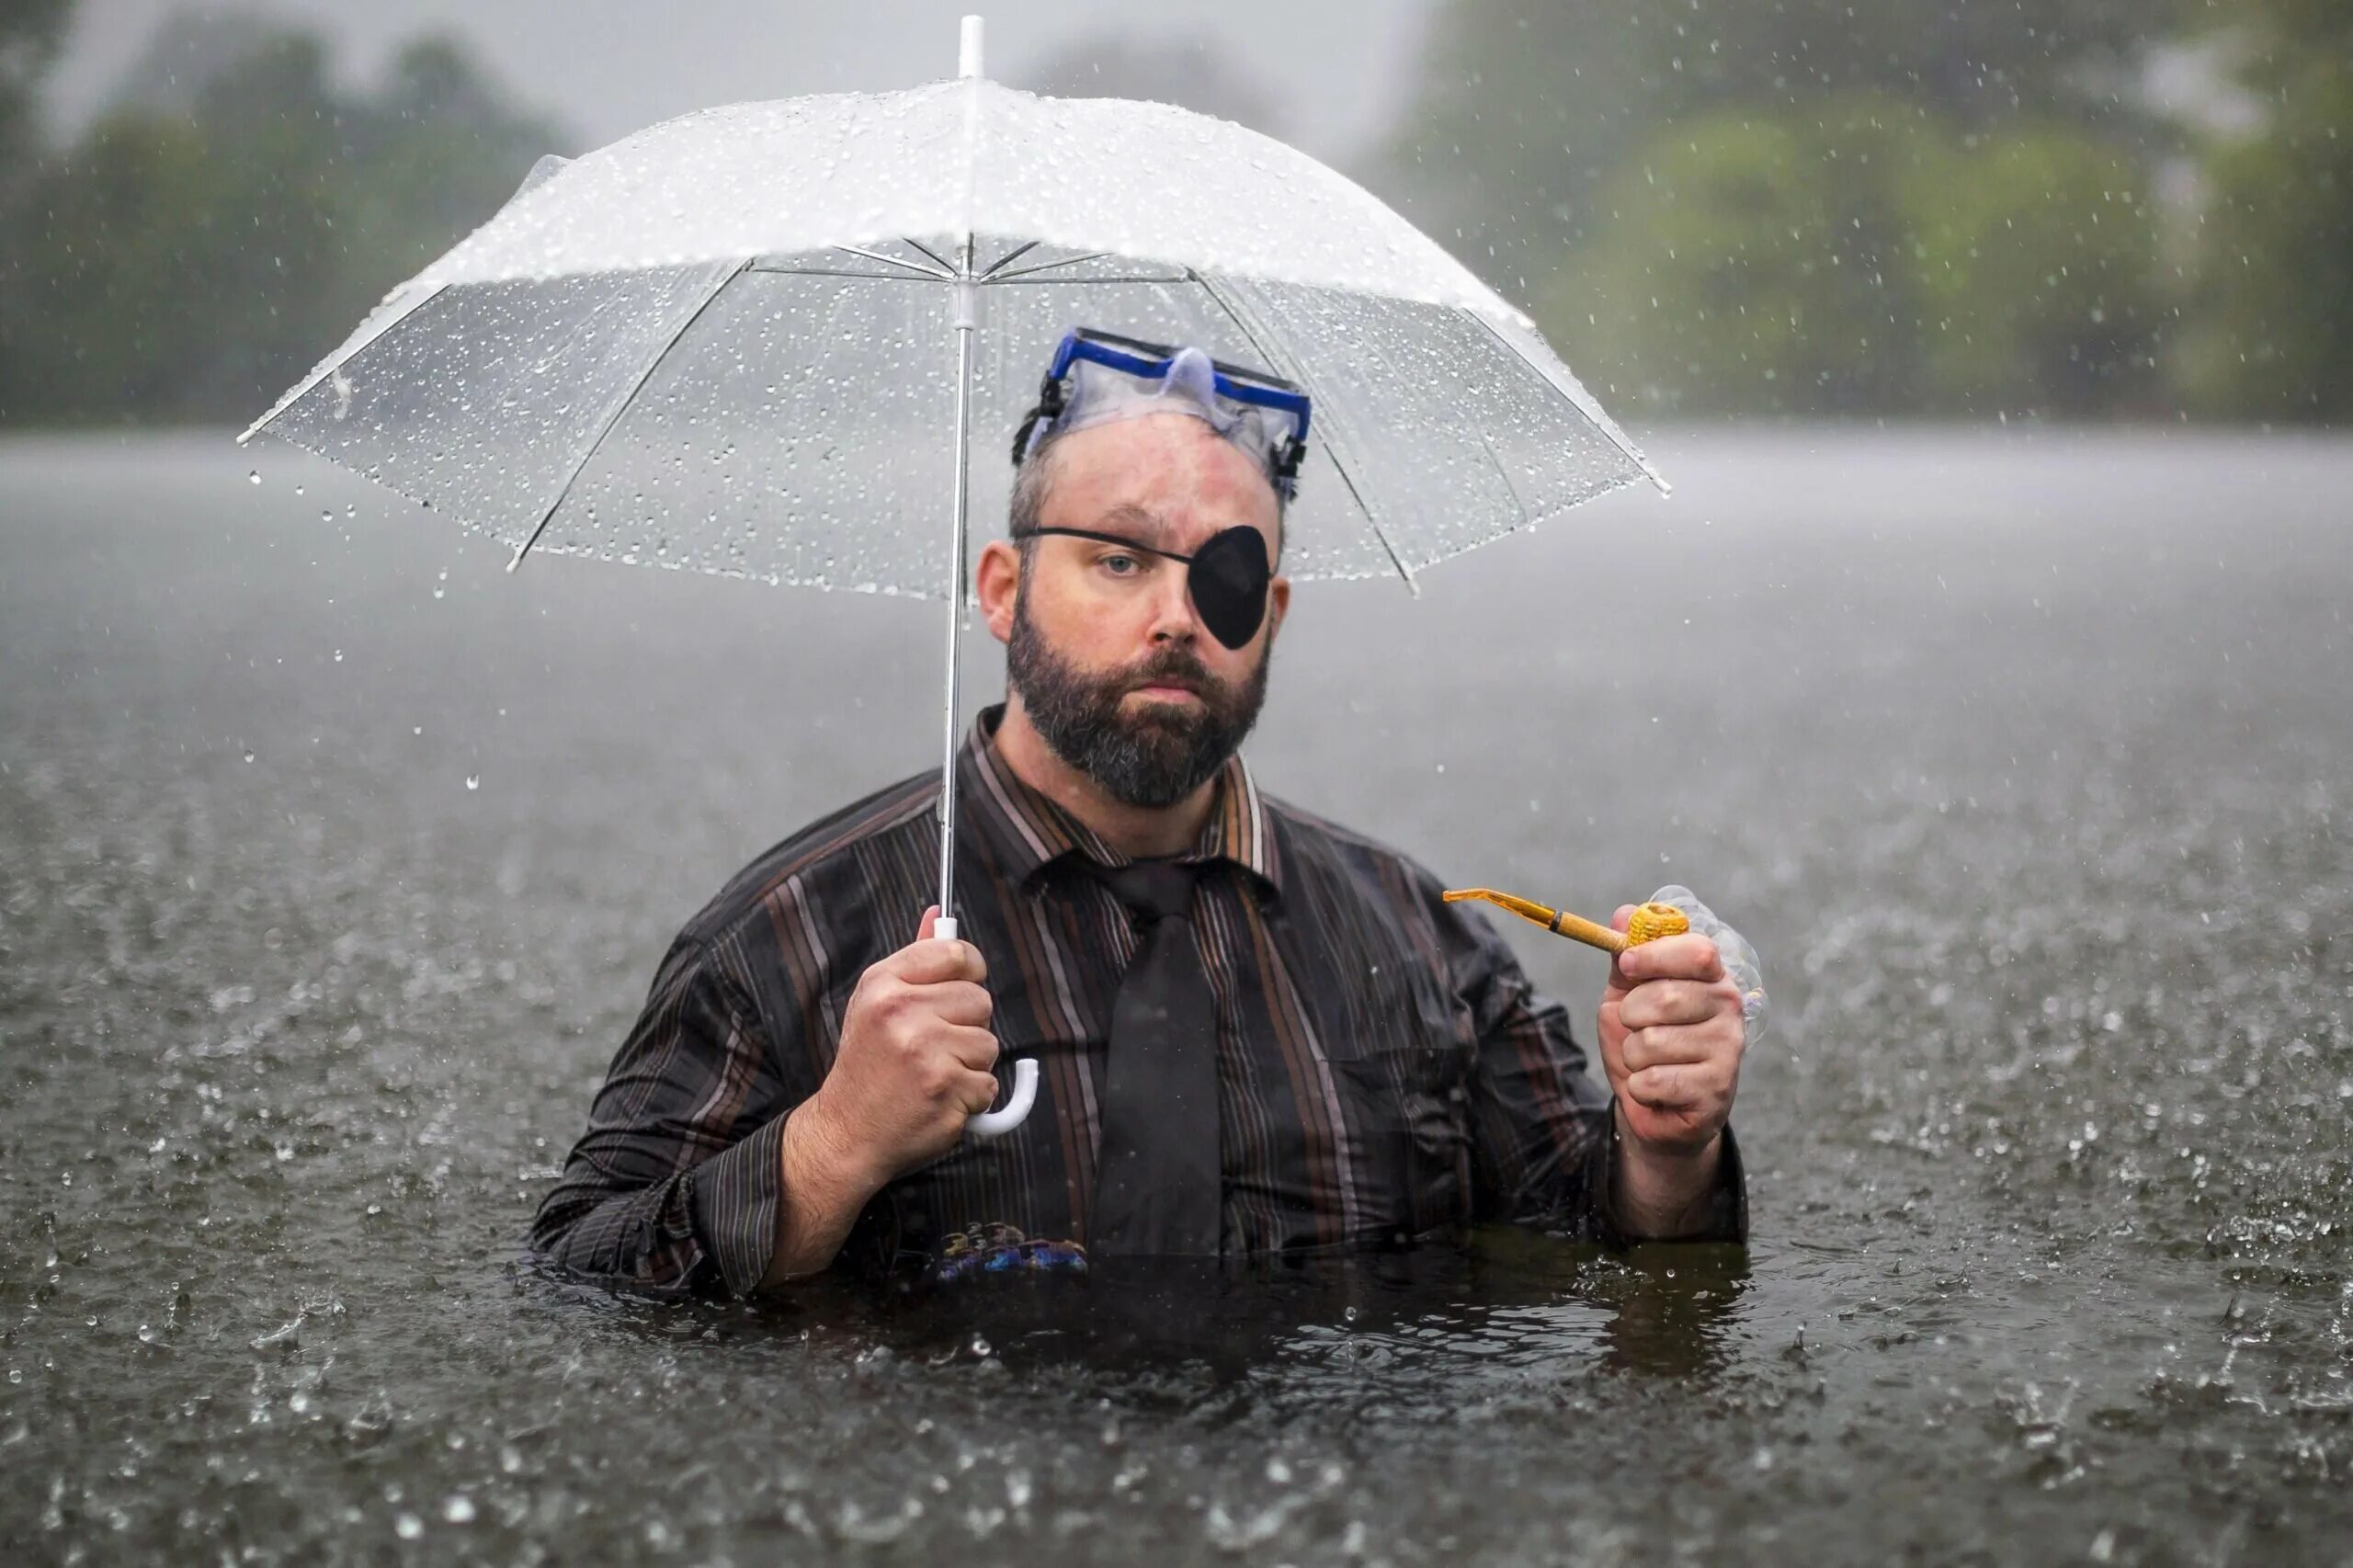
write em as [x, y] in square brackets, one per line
[606, 67]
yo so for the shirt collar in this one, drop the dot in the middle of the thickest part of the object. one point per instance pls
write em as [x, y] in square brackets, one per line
[1026, 831]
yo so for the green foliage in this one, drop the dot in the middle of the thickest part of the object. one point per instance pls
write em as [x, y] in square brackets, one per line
[1813, 206]
[1526, 111]
[1865, 256]
[29, 31]
[1743, 262]
[2034, 270]
[2273, 314]
[191, 266]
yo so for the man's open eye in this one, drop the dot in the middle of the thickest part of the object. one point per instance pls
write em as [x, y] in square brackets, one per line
[1120, 565]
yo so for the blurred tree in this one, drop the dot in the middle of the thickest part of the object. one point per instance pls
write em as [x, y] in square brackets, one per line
[1525, 110]
[2034, 273]
[1805, 205]
[1745, 263]
[1865, 256]
[29, 31]
[2271, 332]
[188, 264]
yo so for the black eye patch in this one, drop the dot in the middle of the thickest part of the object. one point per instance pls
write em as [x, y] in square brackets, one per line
[1227, 577]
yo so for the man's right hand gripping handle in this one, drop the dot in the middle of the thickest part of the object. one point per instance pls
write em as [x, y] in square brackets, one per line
[914, 1066]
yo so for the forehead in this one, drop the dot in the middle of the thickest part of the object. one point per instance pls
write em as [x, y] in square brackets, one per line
[1170, 467]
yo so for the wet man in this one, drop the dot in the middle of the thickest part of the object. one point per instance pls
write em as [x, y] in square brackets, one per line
[1256, 1031]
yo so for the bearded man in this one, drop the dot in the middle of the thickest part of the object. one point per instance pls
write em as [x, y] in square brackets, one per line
[1256, 1031]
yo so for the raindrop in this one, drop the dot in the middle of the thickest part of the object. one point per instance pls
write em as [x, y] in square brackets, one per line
[458, 1510]
[473, 781]
[408, 1526]
[338, 656]
[254, 477]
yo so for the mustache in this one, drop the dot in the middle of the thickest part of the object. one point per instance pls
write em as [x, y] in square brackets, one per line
[1172, 666]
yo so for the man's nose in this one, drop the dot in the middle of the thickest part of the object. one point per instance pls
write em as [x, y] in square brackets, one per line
[1173, 617]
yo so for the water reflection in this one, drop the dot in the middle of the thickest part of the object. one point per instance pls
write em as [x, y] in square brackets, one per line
[1431, 1322]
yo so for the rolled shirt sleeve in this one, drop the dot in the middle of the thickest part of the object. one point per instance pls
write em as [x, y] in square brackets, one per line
[675, 1185]
[1544, 1137]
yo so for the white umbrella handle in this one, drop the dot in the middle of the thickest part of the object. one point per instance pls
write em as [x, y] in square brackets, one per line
[1014, 1112]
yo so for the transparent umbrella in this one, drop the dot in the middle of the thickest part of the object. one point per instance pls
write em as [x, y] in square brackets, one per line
[733, 342]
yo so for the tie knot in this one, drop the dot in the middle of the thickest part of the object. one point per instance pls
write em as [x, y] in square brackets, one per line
[1154, 890]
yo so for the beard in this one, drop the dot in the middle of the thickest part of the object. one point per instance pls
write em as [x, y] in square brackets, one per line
[1152, 757]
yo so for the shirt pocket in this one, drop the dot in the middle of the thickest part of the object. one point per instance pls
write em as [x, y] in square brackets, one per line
[1408, 1138]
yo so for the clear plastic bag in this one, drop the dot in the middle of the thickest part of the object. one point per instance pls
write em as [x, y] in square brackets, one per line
[1739, 959]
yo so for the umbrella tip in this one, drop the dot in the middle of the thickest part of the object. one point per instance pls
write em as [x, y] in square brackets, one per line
[968, 49]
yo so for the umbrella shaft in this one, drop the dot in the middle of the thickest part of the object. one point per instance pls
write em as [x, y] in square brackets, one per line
[965, 324]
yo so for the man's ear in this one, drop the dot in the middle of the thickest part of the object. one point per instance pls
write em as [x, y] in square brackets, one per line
[1278, 605]
[997, 584]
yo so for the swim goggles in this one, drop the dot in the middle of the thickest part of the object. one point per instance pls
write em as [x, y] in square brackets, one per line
[1099, 377]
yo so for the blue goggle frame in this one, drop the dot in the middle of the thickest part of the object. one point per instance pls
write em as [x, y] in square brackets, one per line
[1151, 361]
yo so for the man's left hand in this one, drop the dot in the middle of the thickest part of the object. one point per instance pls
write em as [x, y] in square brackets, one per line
[1671, 1040]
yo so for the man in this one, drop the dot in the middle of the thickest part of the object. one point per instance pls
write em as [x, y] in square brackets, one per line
[1256, 1031]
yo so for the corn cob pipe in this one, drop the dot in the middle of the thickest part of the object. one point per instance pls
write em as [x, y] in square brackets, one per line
[1648, 923]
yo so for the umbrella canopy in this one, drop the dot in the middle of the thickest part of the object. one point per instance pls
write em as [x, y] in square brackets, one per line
[723, 342]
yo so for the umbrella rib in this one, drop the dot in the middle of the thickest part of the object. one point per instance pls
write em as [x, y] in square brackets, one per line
[895, 261]
[1091, 281]
[923, 276]
[620, 406]
[1526, 519]
[1585, 405]
[947, 268]
[330, 365]
[1045, 266]
[1282, 365]
[1016, 253]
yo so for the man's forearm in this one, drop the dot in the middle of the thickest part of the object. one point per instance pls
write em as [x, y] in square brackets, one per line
[1662, 1194]
[824, 1185]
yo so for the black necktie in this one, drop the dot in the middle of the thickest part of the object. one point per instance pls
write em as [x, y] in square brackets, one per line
[1158, 1184]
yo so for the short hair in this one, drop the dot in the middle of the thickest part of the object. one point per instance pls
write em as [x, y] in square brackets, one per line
[1025, 512]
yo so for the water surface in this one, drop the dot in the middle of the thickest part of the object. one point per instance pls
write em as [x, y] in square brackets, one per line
[334, 862]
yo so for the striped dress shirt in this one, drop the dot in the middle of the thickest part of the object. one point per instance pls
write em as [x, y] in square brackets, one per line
[1385, 1071]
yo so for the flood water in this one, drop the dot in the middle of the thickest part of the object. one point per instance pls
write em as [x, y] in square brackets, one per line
[334, 862]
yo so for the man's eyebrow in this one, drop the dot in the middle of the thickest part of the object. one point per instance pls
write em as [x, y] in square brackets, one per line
[1129, 514]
